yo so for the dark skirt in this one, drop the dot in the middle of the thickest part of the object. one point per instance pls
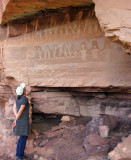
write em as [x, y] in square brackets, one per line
[21, 128]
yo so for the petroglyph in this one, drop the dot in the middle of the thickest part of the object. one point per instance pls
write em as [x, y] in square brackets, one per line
[67, 18]
[79, 15]
[83, 52]
[84, 28]
[93, 49]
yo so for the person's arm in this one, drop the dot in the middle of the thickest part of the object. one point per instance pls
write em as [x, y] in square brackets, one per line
[20, 111]
[17, 114]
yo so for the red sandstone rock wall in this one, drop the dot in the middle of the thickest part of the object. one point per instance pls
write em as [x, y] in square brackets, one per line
[71, 55]
[15, 9]
[115, 20]
[114, 16]
[70, 52]
[3, 4]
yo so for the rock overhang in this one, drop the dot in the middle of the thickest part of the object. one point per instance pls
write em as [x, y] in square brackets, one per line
[113, 16]
[17, 9]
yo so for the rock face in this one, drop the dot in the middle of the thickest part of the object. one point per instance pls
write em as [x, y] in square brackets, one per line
[64, 58]
[115, 20]
[57, 103]
[7, 138]
[24, 8]
[60, 48]
[114, 16]
[82, 105]
[104, 130]
[122, 151]
[57, 56]
[64, 49]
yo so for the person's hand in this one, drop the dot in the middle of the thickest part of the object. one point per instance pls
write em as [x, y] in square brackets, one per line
[13, 124]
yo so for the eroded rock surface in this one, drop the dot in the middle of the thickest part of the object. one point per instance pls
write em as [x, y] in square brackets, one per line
[24, 8]
[79, 104]
[95, 145]
[114, 16]
[122, 151]
[56, 57]
[67, 50]
[115, 20]
[93, 127]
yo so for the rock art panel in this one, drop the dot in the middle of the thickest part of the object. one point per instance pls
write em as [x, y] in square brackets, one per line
[57, 56]
[49, 20]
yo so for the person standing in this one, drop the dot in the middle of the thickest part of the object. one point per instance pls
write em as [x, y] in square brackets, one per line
[21, 123]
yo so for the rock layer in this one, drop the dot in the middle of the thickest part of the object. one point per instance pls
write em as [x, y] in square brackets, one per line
[78, 104]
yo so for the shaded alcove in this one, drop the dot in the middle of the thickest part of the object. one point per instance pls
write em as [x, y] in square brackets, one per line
[44, 122]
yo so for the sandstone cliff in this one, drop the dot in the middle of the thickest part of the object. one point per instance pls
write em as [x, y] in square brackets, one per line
[72, 56]
[62, 48]
[113, 16]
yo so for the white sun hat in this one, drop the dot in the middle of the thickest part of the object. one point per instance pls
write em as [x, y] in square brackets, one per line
[20, 89]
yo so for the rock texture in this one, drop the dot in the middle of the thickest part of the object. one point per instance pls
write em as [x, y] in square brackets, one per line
[95, 145]
[122, 151]
[114, 16]
[57, 56]
[23, 8]
[7, 138]
[96, 124]
[63, 57]
[79, 104]
[57, 103]
[64, 44]
[104, 131]
[115, 20]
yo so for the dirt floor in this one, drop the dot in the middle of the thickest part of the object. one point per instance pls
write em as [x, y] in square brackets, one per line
[67, 138]
[56, 140]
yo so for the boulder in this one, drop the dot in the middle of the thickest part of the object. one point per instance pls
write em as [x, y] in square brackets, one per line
[114, 142]
[41, 158]
[122, 151]
[93, 126]
[95, 145]
[101, 120]
[67, 118]
[104, 130]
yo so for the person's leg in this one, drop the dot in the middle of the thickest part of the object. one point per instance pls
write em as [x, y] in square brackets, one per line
[18, 147]
[22, 146]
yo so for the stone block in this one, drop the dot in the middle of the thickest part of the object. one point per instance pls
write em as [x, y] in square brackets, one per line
[104, 131]
[95, 145]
